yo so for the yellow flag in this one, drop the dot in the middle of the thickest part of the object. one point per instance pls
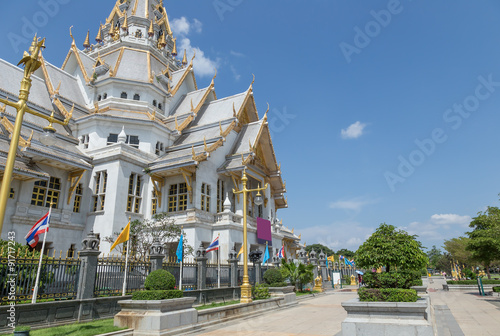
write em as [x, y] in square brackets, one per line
[331, 258]
[241, 251]
[123, 237]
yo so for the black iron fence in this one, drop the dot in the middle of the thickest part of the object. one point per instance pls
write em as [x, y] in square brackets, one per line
[58, 278]
[111, 273]
[189, 273]
[212, 275]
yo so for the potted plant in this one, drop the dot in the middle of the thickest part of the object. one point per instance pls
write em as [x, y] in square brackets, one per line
[22, 330]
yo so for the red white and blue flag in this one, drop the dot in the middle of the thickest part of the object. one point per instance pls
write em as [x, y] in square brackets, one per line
[281, 252]
[213, 246]
[40, 227]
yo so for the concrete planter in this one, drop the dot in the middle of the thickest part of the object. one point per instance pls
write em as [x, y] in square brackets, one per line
[420, 289]
[466, 288]
[156, 317]
[286, 293]
[386, 318]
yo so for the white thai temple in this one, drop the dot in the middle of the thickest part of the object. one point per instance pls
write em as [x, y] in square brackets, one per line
[143, 138]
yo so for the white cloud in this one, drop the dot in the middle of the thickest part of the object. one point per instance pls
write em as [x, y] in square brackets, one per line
[450, 219]
[197, 26]
[237, 54]
[181, 26]
[354, 131]
[355, 204]
[337, 235]
[236, 75]
[203, 65]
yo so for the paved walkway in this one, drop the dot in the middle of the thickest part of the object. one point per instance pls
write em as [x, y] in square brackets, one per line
[455, 314]
[475, 315]
[321, 315]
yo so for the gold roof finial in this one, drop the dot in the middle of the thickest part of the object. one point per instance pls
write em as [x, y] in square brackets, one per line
[70, 34]
[253, 81]
[184, 59]
[174, 50]
[205, 148]
[215, 75]
[162, 43]
[125, 22]
[98, 38]
[151, 30]
[86, 44]
[265, 114]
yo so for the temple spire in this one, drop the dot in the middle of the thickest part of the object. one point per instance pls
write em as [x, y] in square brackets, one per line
[174, 50]
[86, 44]
[125, 22]
[151, 30]
[98, 38]
[184, 59]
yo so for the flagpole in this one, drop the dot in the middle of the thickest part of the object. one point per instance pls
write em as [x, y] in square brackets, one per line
[126, 267]
[35, 290]
[218, 261]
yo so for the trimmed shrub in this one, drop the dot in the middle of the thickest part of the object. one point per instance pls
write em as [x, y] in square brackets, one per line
[160, 280]
[157, 294]
[273, 275]
[278, 284]
[260, 292]
[496, 289]
[473, 282]
[469, 274]
[400, 279]
[387, 294]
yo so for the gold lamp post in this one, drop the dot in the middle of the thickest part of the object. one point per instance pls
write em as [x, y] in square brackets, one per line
[246, 288]
[31, 64]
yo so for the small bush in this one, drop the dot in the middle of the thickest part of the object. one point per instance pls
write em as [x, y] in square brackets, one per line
[473, 282]
[496, 289]
[273, 275]
[260, 292]
[157, 294]
[470, 274]
[160, 280]
[278, 284]
[401, 279]
[387, 294]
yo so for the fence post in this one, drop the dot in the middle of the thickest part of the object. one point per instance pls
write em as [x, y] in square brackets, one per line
[156, 255]
[88, 266]
[233, 261]
[314, 261]
[201, 262]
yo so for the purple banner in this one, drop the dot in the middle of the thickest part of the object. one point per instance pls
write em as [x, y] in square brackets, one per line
[264, 231]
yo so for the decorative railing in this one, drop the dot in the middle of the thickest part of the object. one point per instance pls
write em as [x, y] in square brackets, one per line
[189, 273]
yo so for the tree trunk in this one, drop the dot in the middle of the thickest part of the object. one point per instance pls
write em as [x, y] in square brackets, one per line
[387, 268]
[488, 271]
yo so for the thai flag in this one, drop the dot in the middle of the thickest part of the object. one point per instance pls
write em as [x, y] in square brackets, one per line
[349, 262]
[281, 252]
[40, 227]
[214, 246]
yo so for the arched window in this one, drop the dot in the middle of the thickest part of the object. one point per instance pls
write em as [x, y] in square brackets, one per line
[159, 106]
[104, 96]
[154, 103]
[99, 98]
[123, 95]
[137, 97]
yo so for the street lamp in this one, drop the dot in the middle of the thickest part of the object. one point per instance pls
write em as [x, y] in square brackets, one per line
[31, 64]
[246, 289]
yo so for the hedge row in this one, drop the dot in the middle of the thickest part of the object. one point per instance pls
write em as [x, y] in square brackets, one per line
[473, 282]
[387, 294]
[496, 288]
[400, 279]
[157, 294]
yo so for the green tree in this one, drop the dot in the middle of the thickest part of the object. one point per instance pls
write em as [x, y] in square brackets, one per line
[434, 254]
[318, 247]
[443, 263]
[143, 233]
[390, 247]
[346, 253]
[456, 247]
[484, 242]
[298, 274]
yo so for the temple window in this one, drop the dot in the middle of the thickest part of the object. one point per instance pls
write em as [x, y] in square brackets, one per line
[159, 148]
[159, 106]
[100, 182]
[78, 198]
[99, 98]
[84, 140]
[134, 193]
[137, 97]
[177, 197]
[123, 95]
[154, 103]
[205, 197]
[220, 195]
[105, 95]
[45, 193]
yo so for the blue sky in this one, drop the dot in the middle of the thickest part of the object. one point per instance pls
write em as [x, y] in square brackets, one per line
[381, 111]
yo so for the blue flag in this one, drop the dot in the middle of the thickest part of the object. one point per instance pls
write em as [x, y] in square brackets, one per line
[266, 255]
[180, 250]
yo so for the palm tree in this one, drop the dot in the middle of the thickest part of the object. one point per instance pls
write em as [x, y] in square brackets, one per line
[298, 275]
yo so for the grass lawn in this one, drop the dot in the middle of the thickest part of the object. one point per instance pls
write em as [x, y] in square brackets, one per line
[217, 304]
[78, 329]
[306, 293]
